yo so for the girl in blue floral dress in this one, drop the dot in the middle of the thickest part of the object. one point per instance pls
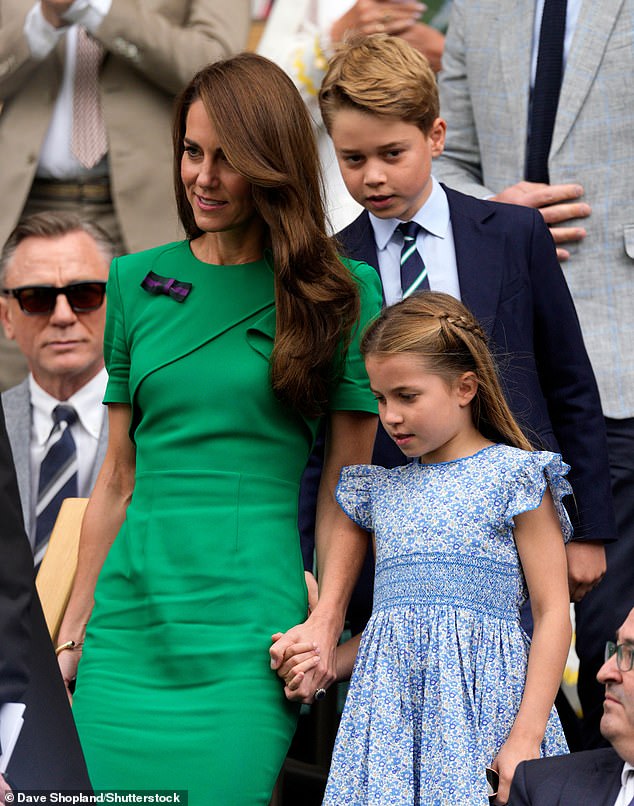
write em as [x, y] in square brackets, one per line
[446, 683]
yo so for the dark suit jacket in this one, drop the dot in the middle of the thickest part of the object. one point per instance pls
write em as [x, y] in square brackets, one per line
[47, 754]
[16, 582]
[591, 778]
[511, 280]
[16, 404]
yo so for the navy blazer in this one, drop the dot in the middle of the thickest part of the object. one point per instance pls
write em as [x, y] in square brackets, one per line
[591, 778]
[511, 280]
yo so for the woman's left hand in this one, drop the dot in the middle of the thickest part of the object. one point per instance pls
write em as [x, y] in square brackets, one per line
[511, 753]
[319, 635]
[298, 660]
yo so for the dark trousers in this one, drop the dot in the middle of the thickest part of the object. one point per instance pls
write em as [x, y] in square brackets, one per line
[602, 611]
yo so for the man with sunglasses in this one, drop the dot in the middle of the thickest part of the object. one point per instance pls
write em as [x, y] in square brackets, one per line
[603, 777]
[53, 273]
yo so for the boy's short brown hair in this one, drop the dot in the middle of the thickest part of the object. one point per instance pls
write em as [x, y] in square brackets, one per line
[380, 75]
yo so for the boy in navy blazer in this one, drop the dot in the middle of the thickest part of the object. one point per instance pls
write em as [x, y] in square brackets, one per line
[379, 102]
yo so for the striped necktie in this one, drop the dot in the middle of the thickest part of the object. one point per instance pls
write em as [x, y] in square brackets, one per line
[58, 477]
[545, 95]
[413, 270]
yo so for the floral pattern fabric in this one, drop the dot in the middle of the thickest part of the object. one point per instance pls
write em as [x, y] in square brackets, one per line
[441, 667]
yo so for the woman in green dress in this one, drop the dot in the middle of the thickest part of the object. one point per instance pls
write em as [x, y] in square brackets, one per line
[224, 351]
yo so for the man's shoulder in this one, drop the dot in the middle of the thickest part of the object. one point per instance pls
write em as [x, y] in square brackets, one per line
[564, 779]
[358, 227]
[567, 764]
[16, 397]
[484, 209]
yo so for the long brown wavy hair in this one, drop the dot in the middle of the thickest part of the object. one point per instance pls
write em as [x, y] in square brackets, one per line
[266, 135]
[445, 334]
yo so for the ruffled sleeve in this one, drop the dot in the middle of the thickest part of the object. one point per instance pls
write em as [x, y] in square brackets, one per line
[354, 493]
[541, 468]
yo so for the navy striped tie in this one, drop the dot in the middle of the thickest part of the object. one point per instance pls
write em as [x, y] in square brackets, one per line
[413, 270]
[58, 477]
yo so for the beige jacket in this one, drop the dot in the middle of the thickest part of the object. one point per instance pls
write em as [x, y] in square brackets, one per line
[153, 47]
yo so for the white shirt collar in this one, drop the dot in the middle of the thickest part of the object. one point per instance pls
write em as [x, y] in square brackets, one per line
[86, 402]
[627, 769]
[433, 216]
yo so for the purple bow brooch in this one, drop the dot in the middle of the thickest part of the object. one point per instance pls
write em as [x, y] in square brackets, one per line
[155, 284]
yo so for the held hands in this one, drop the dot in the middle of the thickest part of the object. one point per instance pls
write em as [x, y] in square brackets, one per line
[557, 204]
[511, 753]
[586, 567]
[299, 659]
[291, 657]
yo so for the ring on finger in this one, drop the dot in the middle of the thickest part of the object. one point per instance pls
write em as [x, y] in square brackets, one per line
[319, 694]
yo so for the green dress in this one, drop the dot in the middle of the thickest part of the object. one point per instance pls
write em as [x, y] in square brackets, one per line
[175, 689]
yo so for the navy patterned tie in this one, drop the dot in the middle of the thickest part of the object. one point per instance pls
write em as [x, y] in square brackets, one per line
[413, 270]
[58, 477]
[545, 96]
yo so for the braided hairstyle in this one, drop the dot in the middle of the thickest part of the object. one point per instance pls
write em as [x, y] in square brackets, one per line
[444, 333]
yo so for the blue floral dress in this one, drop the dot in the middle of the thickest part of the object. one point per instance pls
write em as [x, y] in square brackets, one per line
[441, 668]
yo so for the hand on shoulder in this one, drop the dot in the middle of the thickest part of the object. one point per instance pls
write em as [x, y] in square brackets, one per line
[557, 204]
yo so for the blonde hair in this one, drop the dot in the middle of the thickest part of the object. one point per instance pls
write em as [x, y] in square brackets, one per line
[445, 334]
[380, 75]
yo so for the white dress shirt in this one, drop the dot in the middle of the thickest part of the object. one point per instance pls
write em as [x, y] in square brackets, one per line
[88, 403]
[626, 792]
[573, 7]
[435, 244]
[57, 160]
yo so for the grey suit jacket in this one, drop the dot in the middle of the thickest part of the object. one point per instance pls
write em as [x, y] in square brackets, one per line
[16, 403]
[153, 48]
[484, 91]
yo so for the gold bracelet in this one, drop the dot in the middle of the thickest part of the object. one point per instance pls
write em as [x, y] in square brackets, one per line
[66, 645]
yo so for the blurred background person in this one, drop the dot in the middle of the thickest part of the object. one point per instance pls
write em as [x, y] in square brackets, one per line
[87, 89]
[53, 273]
[224, 352]
[301, 36]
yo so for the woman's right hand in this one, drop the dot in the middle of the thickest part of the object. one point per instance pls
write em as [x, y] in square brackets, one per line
[366, 17]
[68, 660]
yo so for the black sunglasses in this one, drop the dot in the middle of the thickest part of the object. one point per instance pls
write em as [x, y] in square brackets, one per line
[82, 297]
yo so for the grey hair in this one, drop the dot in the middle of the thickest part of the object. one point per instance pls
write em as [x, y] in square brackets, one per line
[53, 224]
